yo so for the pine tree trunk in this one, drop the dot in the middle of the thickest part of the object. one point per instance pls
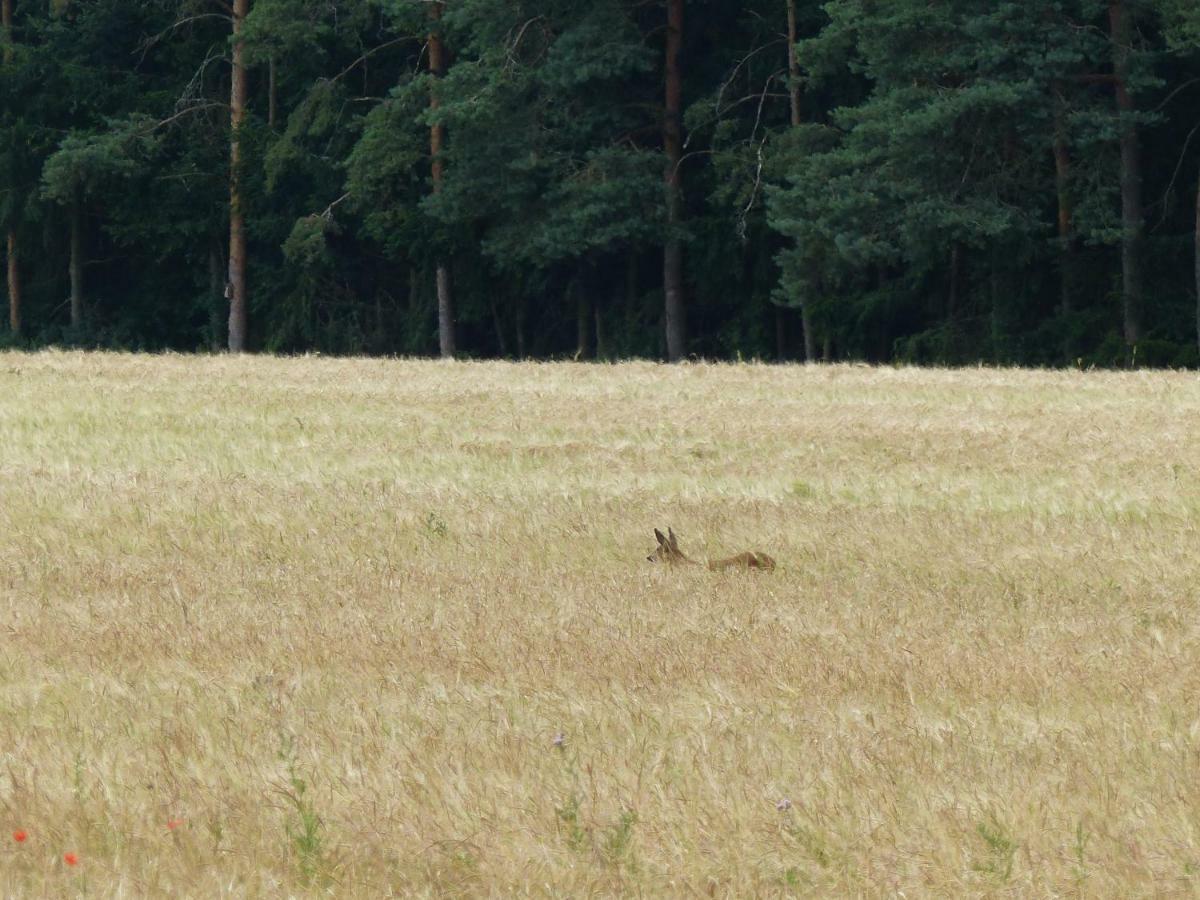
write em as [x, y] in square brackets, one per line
[793, 64]
[996, 318]
[498, 324]
[810, 338]
[522, 347]
[600, 348]
[14, 272]
[952, 303]
[583, 323]
[676, 324]
[76, 263]
[445, 298]
[272, 94]
[1068, 244]
[1132, 213]
[215, 296]
[14, 286]
[437, 140]
[414, 302]
[1066, 213]
[6, 24]
[632, 298]
[380, 335]
[237, 221]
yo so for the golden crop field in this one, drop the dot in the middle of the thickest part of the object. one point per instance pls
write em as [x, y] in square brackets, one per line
[305, 627]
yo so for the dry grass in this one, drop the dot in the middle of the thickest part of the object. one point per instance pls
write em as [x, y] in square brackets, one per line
[333, 614]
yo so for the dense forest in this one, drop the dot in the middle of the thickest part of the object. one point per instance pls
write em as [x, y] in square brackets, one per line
[931, 181]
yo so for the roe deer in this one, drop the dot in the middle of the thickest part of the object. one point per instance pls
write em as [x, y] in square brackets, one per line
[668, 551]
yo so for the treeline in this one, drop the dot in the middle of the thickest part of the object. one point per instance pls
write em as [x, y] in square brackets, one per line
[941, 181]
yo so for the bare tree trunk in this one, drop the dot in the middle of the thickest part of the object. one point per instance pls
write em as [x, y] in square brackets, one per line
[952, 300]
[676, 324]
[414, 301]
[237, 222]
[14, 272]
[632, 296]
[6, 24]
[215, 296]
[498, 324]
[437, 140]
[272, 94]
[1068, 243]
[445, 296]
[1066, 214]
[996, 318]
[793, 64]
[583, 323]
[76, 263]
[1133, 224]
[599, 331]
[380, 335]
[14, 286]
[522, 348]
[810, 338]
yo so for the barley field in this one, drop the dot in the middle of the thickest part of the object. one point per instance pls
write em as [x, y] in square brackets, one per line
[316, 627]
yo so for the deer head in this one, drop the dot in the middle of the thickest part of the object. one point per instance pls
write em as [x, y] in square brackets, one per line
[668, 550]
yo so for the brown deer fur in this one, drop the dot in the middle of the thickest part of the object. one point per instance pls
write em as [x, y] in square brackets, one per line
[668, 552]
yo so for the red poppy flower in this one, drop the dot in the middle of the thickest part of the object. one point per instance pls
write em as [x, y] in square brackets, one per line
[20, 836]
[70, 859]
[172, 824]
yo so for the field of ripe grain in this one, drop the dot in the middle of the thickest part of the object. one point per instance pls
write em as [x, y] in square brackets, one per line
[377, 628]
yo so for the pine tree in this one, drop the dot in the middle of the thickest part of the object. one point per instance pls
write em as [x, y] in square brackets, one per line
[675, 312]
[12, 266]
[1133, 223]
[237, 214]
[437, 141]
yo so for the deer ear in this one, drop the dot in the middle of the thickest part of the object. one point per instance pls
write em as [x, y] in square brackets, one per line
[674, 542]
[662, 538]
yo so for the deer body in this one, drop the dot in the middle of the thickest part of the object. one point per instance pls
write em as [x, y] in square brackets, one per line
[668, 552]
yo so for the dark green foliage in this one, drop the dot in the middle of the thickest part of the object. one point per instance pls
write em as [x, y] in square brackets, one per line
[914, 213]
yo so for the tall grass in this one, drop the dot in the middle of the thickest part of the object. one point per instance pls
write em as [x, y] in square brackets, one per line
[374, 628]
